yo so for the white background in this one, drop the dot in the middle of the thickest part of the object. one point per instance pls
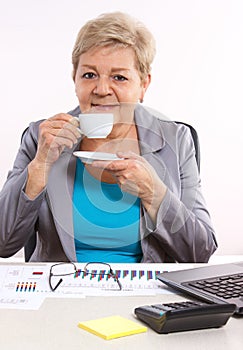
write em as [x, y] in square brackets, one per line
[197, 78]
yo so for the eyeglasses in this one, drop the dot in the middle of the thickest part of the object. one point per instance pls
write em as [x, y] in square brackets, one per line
[91, 268]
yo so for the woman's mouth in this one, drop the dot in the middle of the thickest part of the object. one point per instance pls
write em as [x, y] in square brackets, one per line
[104, 108]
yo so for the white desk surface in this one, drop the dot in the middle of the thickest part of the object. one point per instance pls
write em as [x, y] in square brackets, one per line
[55, 326]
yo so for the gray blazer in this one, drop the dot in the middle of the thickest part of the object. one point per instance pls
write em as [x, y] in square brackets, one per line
[183, 231]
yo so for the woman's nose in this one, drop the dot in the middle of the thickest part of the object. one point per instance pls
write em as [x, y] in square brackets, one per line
[102, 87]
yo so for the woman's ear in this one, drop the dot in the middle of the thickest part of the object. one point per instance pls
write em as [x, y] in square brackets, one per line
[145, 85]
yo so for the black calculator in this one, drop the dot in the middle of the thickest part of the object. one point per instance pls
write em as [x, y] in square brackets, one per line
[184, 316]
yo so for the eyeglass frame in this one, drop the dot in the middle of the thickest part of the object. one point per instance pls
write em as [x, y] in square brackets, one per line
[77, 271]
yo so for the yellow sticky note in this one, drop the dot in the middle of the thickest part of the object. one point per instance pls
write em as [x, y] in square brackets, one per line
[112, 327]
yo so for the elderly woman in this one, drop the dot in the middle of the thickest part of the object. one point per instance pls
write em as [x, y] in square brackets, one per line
[146, 206]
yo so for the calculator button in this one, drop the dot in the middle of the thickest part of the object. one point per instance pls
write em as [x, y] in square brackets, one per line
[162, 307]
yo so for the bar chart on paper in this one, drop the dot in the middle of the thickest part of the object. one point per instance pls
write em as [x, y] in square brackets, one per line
[25, 286]
[18, 286]
[136, 279]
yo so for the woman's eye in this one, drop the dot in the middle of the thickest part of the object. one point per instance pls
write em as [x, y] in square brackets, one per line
[88, 75]
[120, 78]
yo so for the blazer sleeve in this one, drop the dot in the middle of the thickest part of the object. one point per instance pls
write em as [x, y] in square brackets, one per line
[18, 215]
[183, 231]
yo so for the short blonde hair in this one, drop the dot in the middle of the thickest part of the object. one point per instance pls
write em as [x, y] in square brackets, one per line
[120, 30]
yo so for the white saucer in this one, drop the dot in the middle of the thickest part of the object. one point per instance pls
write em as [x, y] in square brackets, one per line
[89, 157]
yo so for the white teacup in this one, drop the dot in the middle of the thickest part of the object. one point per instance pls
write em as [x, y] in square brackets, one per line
[96, 125]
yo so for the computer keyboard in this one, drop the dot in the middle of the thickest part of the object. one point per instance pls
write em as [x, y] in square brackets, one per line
[226, 287]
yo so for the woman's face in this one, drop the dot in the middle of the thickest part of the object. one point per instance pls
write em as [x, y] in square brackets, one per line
[107, 77]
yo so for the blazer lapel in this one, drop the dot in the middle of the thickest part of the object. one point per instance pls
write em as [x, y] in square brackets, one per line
[60, 192]
[151, 139]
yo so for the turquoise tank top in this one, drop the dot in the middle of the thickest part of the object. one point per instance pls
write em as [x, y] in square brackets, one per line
[106, 221]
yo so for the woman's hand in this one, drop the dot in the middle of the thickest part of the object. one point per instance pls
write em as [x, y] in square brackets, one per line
[55, 134]
[136, 176]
